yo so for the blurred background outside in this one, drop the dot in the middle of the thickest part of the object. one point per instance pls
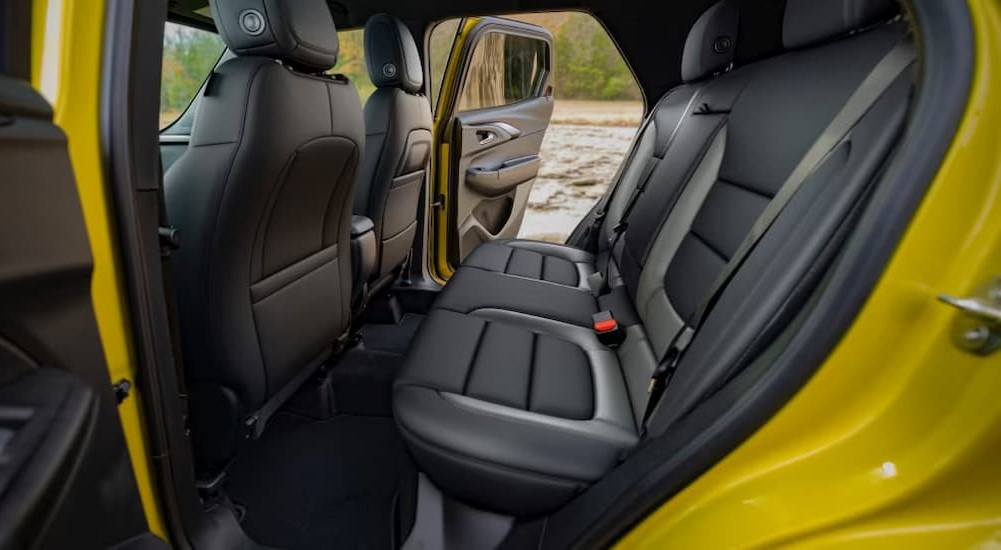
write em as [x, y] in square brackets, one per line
[598, 106]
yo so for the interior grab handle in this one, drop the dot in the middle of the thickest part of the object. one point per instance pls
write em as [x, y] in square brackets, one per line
[496, 181]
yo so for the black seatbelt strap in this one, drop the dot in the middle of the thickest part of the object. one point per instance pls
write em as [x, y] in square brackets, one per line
[723, 100]
[600, 285]
[884, 74]
[601, 209]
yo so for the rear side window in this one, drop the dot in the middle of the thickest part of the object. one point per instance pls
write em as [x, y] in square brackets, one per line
[503, 69]
[189, 55]
[351, 61]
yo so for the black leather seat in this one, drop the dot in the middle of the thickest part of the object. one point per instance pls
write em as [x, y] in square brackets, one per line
[263, 199]
[476, 400]
[398, 133]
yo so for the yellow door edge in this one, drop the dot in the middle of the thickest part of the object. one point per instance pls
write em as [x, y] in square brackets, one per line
[439, 266]
[895, 440]
[67, 58]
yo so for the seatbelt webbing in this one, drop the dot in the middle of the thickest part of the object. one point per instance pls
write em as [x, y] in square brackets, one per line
[601, 210]
[876, 82]
[649, 169]
[644, 180]
[882, 76]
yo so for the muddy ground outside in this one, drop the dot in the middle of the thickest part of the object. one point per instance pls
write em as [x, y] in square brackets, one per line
[582, 150]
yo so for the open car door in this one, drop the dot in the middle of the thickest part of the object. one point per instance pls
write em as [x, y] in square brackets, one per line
[494, 107]
[66, 480]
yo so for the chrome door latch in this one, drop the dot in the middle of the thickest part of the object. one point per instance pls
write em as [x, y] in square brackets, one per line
[978, 330]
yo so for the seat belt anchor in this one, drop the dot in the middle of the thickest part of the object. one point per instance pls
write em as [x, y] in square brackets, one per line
[170, 238]
[664, 370]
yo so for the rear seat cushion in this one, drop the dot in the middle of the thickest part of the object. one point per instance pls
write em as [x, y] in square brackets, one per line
[472, 290]
[524, 409]
[539, 260]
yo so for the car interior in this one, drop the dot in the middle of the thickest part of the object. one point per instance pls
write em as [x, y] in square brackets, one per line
[340, 392]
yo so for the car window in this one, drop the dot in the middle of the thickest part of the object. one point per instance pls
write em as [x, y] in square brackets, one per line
[189, 55]
[351, 61]
[503, 69]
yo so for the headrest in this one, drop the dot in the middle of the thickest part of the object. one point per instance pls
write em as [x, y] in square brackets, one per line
[712, 42]
[807, 22]
[391, 54]
[298, 32]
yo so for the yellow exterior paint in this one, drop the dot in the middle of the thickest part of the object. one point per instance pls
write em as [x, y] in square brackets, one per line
[77, 112]
[440, 268]
[896, 441]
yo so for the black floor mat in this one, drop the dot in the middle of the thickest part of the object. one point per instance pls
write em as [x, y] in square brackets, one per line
[363, 381]
[391, 338]
[322, 484]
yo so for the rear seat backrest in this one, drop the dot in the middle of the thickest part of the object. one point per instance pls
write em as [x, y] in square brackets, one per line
[787, 102]
[669, 147]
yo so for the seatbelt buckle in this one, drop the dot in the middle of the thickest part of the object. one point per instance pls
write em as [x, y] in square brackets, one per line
[607, 329]
[620, 227]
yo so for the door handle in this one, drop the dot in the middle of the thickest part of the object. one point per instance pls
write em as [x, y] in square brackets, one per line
[481, 136]
[485, 137]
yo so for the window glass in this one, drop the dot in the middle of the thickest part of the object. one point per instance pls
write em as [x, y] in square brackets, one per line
[597, 108]
[351, 61]
[189, 55]
[503, 69]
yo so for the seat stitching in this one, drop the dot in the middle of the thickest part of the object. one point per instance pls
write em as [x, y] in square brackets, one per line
[507, 261]
[712, 248]
[472, 360]
[531, 369]
[746, 187]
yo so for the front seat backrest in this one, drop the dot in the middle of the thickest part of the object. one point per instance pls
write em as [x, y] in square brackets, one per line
[398, 131]
[262, 198]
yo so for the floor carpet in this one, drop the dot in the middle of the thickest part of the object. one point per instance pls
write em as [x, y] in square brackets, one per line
[322, 484]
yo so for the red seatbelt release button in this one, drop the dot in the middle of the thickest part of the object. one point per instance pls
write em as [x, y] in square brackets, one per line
[606, 328]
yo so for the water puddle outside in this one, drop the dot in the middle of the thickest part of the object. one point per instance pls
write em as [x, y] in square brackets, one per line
[578, 163]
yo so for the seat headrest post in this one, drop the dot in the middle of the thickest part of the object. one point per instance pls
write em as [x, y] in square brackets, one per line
[391, 54]
[711, 43]
[808, 22]
[300, 33]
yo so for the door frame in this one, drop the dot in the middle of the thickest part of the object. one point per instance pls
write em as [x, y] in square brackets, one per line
[442, 201]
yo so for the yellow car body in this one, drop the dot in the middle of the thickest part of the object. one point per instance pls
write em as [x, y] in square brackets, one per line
[894, 442]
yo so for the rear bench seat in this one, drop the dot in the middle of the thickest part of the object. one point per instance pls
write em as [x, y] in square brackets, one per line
[507, 398]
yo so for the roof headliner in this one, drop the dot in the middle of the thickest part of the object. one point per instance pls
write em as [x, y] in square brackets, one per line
[651, 34]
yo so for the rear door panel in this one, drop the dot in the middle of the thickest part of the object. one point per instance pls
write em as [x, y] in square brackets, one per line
[499, 160]
[499, 108]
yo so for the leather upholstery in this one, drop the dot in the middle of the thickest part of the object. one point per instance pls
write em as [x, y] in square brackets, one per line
[391, 54]
[808, 22]
[262, 197]
[300, 33]
[398, 133]
[712, 42]
[464, 398]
